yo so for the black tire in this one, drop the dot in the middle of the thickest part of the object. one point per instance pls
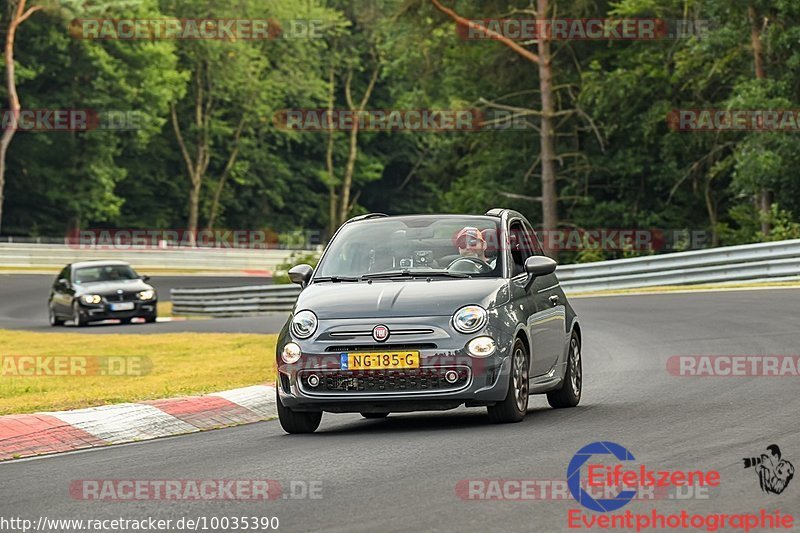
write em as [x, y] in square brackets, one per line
[52, 317]
[77, 319]
[150, 319]
[515, 405]
[374, 415]
[569, 395]
[125, 320]
[296, 422]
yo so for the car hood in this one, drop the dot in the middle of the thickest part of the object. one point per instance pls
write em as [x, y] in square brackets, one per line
[104, 288]
[400, 298]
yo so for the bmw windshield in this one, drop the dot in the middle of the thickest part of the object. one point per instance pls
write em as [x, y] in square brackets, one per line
[101, 273]
[451, 246]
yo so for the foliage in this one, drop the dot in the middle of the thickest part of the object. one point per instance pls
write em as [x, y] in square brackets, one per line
[620, 163]
[295, 258]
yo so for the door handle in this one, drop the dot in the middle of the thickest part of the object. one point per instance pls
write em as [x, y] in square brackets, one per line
[554, 300]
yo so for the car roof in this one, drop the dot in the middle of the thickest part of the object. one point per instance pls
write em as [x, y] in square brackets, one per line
[380, 216]
[99, 262]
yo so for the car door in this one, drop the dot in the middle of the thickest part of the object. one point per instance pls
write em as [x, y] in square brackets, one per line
[547, 326]
[62, 298]
[527, 301]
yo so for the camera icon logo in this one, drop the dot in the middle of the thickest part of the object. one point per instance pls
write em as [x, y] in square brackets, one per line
[774, 473]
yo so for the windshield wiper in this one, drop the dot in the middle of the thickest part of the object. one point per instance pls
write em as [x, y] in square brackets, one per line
[406, 273]
[336, 279]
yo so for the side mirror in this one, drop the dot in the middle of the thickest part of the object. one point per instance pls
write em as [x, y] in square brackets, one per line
[301, 274]
[538, 265]
[62, 283]
[145, 278]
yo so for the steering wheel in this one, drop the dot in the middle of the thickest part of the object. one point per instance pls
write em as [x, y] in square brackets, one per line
[470, 264]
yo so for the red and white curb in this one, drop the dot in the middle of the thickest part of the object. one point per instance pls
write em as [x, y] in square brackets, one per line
[42, 433]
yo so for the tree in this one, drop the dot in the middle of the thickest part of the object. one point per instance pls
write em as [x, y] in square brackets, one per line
[17, 15]
[548, 156]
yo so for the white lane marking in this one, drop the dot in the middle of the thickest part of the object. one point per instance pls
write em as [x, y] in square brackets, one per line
[124, 422]
[258, 398]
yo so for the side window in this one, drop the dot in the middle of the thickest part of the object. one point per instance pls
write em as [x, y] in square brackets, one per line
[64, 274]
[536, 247]
[521, 248]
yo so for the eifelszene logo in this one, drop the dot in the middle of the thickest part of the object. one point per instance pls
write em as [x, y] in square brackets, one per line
[622, 478]
[774, 473]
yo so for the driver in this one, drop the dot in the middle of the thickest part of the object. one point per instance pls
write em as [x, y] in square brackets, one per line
[470, 243]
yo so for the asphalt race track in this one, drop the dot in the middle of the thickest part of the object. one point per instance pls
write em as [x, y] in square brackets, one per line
[23, 305]
[401, 473]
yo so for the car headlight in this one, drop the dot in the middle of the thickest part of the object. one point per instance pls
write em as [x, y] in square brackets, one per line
[469, 319]
[91, 298]
[481, 347]
[304, 324]
[290, 353]
[149, 294]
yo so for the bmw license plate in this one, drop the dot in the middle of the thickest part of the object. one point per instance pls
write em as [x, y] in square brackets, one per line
[126, 306]
[379, 360]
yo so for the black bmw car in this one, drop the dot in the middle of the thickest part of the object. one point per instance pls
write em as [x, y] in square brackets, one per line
[428, 312]
[92, 291]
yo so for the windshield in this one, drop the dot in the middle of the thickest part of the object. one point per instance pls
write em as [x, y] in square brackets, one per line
[452, 246]
[104, 273]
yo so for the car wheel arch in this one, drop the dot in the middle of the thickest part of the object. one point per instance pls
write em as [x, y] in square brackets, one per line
[523, 336]
[576, 328]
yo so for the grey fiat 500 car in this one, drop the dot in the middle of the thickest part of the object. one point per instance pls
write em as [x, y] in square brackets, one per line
[428, 312]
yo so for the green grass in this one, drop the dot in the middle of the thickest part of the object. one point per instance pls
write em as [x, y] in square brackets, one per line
[181, 364]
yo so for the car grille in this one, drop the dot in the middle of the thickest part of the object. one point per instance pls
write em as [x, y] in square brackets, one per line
[380, 347]
[124, 297]
[429, 379]
[393, 331]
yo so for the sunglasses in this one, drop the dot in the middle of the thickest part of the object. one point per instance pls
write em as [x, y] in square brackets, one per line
[471, 242]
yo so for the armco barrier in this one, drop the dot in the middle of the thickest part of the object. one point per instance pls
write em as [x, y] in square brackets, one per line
[734, 263]
[52, 256]
[234, 301]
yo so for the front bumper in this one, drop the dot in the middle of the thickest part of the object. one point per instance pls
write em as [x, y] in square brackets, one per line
[103, 311]
[447, 376]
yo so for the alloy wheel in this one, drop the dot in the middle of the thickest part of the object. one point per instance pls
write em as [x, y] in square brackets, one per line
[520, 380]
[576, 370]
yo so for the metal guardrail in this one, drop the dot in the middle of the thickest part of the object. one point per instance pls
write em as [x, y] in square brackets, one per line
[50, 256]
[734, 263]
[234, 301]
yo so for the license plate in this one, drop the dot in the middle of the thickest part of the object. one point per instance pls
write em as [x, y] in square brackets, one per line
[379, 360]
[127, 306]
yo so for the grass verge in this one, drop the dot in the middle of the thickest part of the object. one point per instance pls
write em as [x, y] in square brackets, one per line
[175, 364]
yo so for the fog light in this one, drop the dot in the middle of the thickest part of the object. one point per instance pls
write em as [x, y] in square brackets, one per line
[313, 380]
[481, 347]
[291, 353]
